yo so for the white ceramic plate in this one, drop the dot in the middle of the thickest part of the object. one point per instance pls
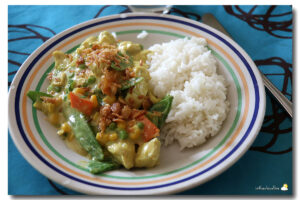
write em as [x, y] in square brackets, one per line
[38, 142]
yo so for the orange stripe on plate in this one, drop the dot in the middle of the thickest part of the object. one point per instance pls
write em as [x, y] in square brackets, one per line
[99, 179]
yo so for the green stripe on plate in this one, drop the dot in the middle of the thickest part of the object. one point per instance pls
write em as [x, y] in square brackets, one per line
[151, 31]
[228, 134]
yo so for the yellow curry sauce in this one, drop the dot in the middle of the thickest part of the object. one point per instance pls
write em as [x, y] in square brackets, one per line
[107, 82]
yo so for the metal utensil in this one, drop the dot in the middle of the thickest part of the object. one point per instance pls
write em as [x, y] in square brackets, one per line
[210, 20]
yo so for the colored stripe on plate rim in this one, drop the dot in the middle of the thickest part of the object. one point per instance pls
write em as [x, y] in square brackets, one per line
[23, 78]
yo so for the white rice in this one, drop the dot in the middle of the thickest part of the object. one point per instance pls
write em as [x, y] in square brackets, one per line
[114, 34]
[186, 69]
[142, 35]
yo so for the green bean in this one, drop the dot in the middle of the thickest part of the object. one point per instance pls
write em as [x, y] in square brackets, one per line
[83, 133]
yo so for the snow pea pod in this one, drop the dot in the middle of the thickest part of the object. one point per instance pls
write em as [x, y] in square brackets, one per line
[35, 95]
[83, 133]
[131, 82]
[96, 167]
[163, 107]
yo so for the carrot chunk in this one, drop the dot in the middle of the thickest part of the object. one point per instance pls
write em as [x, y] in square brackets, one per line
[150, 130]
[83, 105]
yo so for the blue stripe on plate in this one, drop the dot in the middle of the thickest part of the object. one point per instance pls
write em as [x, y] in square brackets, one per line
[36, 59]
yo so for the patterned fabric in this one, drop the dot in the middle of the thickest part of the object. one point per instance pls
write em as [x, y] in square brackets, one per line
[265, 32]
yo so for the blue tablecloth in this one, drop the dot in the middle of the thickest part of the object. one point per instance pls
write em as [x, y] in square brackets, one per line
[265, 32]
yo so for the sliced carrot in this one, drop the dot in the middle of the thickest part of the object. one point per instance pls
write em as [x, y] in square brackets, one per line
[83, 105]
[150, 130]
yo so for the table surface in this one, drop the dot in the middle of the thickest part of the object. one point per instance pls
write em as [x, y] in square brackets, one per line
[265, 32]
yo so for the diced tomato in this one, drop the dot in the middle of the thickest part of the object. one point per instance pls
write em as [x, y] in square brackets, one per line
[83, 105]
[150, 130]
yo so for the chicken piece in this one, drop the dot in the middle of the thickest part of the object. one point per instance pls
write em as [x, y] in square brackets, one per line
[61, 61]
[123, 151]
[86, 44]
[106, 37]
[130, 48]
[148, 154]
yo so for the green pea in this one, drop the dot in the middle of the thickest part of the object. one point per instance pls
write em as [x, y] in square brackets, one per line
[82, 66]
[91, 80]
[123, 134]
[112, 126]
[140, 125]
[85, 84]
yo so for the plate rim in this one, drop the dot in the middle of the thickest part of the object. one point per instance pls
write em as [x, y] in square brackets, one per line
[59, 35]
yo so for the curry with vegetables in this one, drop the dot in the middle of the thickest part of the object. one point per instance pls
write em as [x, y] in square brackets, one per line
[100, 100]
